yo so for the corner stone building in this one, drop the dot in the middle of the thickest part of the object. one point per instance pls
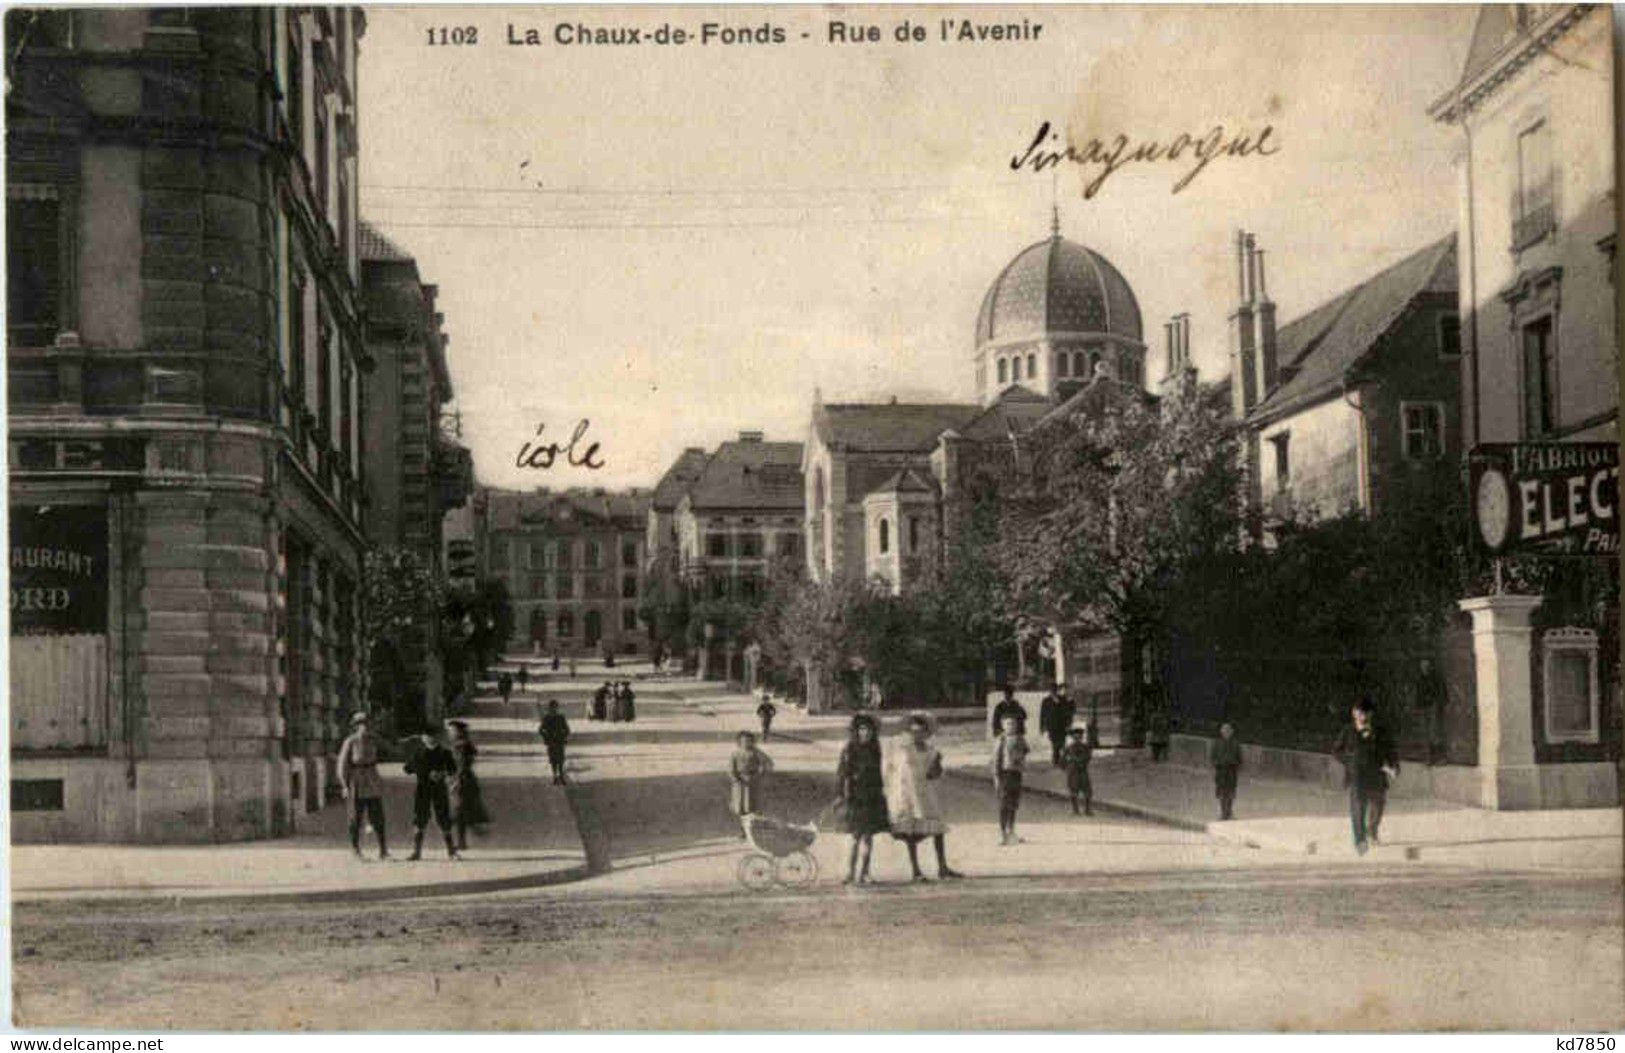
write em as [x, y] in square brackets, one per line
[184, 351]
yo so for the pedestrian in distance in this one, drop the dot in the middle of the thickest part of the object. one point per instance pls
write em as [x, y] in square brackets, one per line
[1369, 761]
[1226, 757]
[609, 659]
[1008, 706]
[467, 802]
[434, 767]
[1432, 694]
[524, 677]
[363, 788]
[555, 732]
[598, 708]
[572, 667]
[1009, 762]
[765, 713]
[1055, 715]
[505, 686]
[629, 711]
[913, 769]
[555, 661]
[1157, 734]
[748, 770]
[1075, 757]
[861, 779]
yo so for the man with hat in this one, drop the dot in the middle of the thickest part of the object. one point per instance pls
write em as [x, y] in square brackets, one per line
[358, 774]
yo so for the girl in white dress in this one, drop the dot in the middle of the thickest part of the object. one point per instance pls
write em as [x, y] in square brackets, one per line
[913, 767]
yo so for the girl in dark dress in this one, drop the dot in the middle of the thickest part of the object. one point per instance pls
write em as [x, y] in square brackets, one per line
[467, 803]
[862, 795]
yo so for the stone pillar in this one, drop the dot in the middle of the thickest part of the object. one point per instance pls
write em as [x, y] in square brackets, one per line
[1502, 642]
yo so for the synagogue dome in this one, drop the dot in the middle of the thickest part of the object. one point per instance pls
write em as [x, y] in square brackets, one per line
[1057, 286]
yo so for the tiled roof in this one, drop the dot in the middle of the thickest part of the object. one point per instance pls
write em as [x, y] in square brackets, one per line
[1095, 396]
[1015, 410]
[1055, 286]
[511, 509]
[905, 481]
[890, 427]
[678, 478]
[374, 246]
[751, 474]
[1320, 348]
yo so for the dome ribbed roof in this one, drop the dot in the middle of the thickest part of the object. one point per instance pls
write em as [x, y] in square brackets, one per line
[1058, 286]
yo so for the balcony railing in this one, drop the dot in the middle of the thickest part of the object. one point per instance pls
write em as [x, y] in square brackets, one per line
[1532, 226]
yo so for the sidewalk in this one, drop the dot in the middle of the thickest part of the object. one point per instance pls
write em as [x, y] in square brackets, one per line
[1303, 818]
[1277, 814]
[532, 842]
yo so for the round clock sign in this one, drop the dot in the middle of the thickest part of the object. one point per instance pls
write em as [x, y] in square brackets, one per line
[1494, 506]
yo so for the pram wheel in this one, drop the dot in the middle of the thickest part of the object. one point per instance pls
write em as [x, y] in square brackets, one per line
[756, 872]
[796, 869]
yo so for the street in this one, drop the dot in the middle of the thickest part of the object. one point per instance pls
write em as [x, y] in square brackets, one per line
[1091, 924]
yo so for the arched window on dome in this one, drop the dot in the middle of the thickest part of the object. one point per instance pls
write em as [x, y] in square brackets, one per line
[885, 537]
[1032, 366]
[1002, 372]
[1061, 363]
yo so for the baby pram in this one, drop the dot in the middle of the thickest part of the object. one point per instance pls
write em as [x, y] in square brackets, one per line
[780, 856]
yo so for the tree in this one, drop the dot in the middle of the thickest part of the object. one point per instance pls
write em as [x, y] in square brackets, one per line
[400, 600]
[1108, 509]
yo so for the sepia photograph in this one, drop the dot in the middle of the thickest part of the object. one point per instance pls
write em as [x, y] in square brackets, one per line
[1097, 520]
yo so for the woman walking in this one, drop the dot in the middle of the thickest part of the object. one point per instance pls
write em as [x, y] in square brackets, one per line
[467, 803]
[862, 783]
[913, 767]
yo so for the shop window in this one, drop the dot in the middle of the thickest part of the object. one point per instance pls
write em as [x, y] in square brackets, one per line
[1423, 424]
[1571, 691]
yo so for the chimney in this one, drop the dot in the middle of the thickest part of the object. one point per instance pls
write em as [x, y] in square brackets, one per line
[750, 436]
[1243, 334]
[1269, 374]
[1170, 333]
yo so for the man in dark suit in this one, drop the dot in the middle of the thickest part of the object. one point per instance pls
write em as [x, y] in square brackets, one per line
[1055, 715]
[1369, 761]
[1008, 706]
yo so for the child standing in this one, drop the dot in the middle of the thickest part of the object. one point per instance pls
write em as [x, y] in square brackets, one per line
[1226, 757]
[747, 771]
[434, 767]
[1009, 761]
[1075, 756]
[765, 713]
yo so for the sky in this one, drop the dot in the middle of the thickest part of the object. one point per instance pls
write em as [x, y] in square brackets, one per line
[678, 243]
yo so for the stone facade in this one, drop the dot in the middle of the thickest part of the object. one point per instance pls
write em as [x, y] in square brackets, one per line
[184, 352]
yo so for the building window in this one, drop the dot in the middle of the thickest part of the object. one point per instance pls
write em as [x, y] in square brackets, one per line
[1003, 372]
[1570, 669]
[750, 546]
[1032, 366]
[562, 556]
[34, 271]
[789, 544]
[566, 587]
[716, 546]
[499, 554]
[294, 89]
[629, 620]
[1449, 336]
[594, 555]
[546, 553]
[1539, 379]
[1078, 366]
[320, 168]
[913, 535]
[1283, 459]
[567, 623]
[1534, 215]
[629, 553]
[629, 586]
[885, 537]
[296, 343]
[1015, 369]
[538, 585]
[1061, 364]
[1423, 424]
[719, 587]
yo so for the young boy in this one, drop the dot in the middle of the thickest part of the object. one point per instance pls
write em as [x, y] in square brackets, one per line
[1226, 758]
[1075, 756]
[1009, 760]
[434, 766]
[765, 713]
[748, 769]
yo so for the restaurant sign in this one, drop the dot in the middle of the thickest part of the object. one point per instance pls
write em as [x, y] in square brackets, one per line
[58, 569]
[1546, 498]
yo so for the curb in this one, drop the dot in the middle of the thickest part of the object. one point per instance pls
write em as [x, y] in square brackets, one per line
[334, 895]
[1122, 808]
